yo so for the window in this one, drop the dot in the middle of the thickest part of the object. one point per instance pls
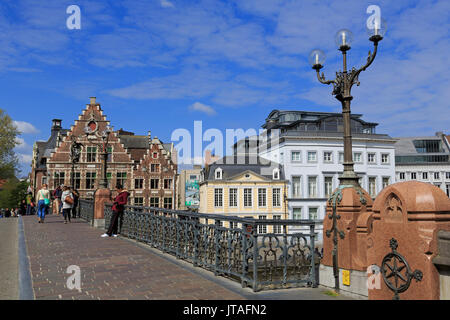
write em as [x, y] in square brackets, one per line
[413, 176]
[424, 175]
[447, 175]
[262, 197]
[312, 213]
[297, 213]
[312, 187]
[312, 156]
[59, 179]
[167, 203]
[296, 187]
[372, 186]
[327, 156]
[139, 201]
[385, 182]
[90, 180]
[233, 225]
[262, 228]
[154, 202]
[139, 183]
[155, 155]
[276, 174]
[277, 227]
[218, 173]
[371, 158]
[296, 156]
[167, 183]
[233, 197]
[108, 178]
[357, 157]
[248, 197]
[447, 187]
[341, 157]
[193, 177]
[154, 167]
[328, 186]
[154, 183]
[110, 152]
[402, 176]
[385, 158]
[77, 180]
[91, 155]
[121, 178]
[276, 197]
[218, 198]
[436, 175]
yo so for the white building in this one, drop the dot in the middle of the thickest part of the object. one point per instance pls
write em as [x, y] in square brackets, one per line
[311, 150]
[424, 159]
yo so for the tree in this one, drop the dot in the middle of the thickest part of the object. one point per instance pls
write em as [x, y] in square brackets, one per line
[8, 159]
[12, 193]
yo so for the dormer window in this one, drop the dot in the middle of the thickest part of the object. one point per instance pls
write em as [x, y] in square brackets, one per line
[276, 174]
[218, 174]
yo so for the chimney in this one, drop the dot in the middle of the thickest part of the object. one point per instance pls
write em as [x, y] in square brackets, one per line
[56, 125]
[149, 135]
[93, 102]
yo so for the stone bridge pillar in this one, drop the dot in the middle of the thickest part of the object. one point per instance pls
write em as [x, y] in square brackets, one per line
[102, 196]
[407, 217]
[354, 208]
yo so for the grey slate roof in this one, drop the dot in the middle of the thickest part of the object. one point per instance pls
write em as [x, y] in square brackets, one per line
[46, 148]
[231, 167]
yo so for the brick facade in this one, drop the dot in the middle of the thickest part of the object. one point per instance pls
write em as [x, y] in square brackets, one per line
[130, 159]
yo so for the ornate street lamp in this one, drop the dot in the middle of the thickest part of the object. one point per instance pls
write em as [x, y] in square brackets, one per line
[75, 153]
[342, 86]
[105, 143]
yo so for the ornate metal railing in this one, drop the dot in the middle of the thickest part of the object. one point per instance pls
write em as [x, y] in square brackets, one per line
[86, 210]
[243, 249]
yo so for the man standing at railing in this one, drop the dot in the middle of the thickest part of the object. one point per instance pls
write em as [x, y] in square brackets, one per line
[118, 207]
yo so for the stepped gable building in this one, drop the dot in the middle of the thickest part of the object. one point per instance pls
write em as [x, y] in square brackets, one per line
[145, 166]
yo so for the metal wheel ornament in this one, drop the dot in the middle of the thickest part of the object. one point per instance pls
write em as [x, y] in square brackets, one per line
[396, 271]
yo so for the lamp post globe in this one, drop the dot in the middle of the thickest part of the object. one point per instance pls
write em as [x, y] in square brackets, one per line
[316, 59]
[344, 39]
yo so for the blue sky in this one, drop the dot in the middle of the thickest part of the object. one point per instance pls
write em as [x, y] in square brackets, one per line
[160, 65]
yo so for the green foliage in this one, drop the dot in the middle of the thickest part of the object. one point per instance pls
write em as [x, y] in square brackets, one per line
[8, 134]
[12, 193]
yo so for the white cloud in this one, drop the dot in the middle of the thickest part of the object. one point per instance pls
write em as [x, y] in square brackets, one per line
[25, 127]
[202, 108]
[21, 144]
[25, 159]
[166, 4]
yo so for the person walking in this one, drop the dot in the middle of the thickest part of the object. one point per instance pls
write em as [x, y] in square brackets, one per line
[67, 201]
[76, 196]
[43, 201]
[29, 200]
[118, 207]
[57, 204]
[23, 208]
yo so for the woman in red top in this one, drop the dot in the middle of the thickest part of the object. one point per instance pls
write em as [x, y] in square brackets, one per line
[118, 207]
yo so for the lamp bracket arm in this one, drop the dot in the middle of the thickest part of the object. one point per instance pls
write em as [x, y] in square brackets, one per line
[321, 78]
[370, 58]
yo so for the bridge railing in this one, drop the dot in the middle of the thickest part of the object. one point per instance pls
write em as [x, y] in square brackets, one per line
[86, 210]
[261, 254]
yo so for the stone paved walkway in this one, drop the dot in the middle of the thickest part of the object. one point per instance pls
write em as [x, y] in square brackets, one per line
[118, 268]
[9, 260]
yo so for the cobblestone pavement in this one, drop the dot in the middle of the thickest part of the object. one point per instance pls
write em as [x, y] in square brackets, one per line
[119, 268]
[9, 260]
[111, 268]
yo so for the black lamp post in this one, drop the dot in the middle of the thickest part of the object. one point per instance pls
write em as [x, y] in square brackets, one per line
[75, 153]
[342, 92]
[342, 87]
[105, 143]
